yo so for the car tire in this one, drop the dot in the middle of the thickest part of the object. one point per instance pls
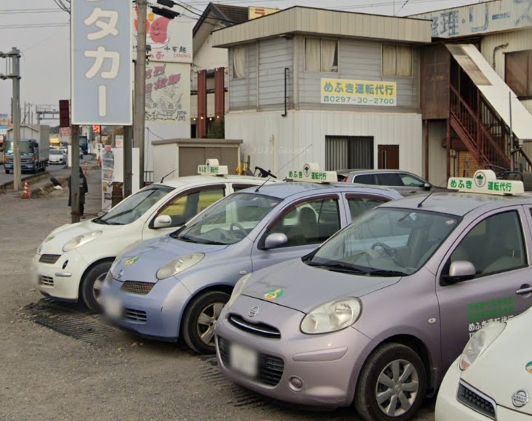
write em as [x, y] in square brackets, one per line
[92, 284]
[392, 384]
[199, 321]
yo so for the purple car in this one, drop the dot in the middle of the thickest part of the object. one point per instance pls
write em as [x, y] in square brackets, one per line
[376, 315]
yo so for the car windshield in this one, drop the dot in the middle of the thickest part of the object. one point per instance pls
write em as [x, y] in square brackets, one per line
[229, 220]
[56, 152]
[385, 242]
[133, 207]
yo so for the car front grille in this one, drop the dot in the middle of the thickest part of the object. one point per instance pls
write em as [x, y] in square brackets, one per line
[135, 287]
[49, 258]
[260, 329]
[476, 400]
[270, 368]
[47, 281]
[135, 315]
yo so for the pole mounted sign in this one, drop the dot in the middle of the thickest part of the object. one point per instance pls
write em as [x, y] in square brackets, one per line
[101, 62]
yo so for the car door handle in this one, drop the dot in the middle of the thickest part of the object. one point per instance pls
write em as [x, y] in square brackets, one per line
[524, 290]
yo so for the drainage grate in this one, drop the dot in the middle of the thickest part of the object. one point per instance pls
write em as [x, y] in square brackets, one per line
[71, 320]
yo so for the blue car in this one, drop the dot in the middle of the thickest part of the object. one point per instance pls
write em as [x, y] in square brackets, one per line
[175, 286]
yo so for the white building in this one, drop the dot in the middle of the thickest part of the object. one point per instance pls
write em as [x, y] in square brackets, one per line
[340, 89]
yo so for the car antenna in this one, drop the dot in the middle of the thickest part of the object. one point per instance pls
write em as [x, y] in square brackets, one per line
[170, 173]
[284, 166]
[430, 194]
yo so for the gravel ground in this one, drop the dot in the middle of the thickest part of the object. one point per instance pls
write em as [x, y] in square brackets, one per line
[59, 362]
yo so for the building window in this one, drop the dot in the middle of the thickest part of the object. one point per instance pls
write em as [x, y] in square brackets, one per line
[518, 73]
[321, 55]
[397, 60]
[239, 62]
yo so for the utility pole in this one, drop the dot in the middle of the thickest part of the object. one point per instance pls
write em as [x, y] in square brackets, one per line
[14, 56]
[128, 161]
[140, 88]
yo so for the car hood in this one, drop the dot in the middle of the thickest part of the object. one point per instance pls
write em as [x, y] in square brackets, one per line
[141, 263]
[296, 285]
[54, 242]
[506, 366]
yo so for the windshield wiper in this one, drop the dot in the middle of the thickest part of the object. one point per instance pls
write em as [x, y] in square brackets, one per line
[199, 241]
[339, 267]
[382, 272]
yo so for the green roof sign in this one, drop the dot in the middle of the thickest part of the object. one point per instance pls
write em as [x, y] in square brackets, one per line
[311, 173]
[485, 181]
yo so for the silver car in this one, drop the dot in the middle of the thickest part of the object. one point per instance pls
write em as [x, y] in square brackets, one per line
[175, 286]
[375, 316]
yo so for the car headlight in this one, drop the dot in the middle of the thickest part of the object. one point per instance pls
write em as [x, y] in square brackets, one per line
[478, 343]
[332, 316]
[237, 290]
[179, 264]
[80, 240]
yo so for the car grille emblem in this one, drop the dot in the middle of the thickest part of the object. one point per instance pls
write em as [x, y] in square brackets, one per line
[253, 311]
[520, 398]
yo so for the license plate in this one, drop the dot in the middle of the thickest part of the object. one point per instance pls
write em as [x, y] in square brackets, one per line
[113, 307]
[243, 360]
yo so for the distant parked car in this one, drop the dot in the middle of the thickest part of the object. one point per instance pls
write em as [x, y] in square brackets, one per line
[57, 156]
[404, 182]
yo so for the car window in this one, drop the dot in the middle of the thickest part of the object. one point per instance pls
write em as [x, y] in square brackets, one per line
[387, 241]
[389, 179]
[364, 179]
[359, 205]
[185, 206]
[308, 222]
[494, 245]
[229, 220]
[411, 181]
[239, 187]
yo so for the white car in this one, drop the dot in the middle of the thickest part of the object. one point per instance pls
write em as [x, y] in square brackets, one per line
[72, 262]
[57, 156]
[492, 379]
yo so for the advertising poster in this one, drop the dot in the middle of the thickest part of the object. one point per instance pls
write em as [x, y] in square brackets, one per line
[168, 93]
[358, 92]
[108, 164]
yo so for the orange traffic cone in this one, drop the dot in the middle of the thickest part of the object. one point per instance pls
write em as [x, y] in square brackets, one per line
[26, 194]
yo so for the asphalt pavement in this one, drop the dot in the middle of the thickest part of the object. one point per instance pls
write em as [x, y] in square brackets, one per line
[61, 362]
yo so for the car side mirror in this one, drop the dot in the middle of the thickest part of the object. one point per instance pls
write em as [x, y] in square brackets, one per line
[162, 221]
[427, 186]
[276, 240]
[460, 271]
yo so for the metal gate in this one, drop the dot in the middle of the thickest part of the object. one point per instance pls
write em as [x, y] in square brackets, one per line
[348, 152]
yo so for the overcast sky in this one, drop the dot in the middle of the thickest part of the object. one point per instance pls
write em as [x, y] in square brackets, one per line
[40, 29]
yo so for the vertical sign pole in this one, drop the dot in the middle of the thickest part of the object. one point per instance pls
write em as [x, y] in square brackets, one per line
[128, 161]
[140, 87]
[74, 176]
[512, 148]
[17, 171]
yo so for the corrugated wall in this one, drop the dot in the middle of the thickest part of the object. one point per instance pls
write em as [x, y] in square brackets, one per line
[282, 143]
[516, 40]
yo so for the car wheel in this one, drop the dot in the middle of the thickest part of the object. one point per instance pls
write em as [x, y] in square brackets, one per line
[392, 384]
[91, 286]
[199, 321]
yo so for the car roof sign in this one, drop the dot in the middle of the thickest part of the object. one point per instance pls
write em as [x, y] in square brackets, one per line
[485, 181]
[212, 167]
[311, 173]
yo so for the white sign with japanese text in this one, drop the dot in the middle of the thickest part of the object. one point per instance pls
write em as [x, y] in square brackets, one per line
[169, 40]
[168, 93]
[483, 17]
[101, 65]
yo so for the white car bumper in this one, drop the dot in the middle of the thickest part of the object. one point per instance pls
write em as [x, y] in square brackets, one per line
[60, 279]
[449, 408]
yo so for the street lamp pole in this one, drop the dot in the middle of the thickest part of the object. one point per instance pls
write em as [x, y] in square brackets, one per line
[140, 87]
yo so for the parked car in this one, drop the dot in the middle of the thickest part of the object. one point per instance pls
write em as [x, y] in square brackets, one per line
[73, 260]
[377, 314]
[175, 286]
[404, 182]
[492, 379]
[56, 156]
